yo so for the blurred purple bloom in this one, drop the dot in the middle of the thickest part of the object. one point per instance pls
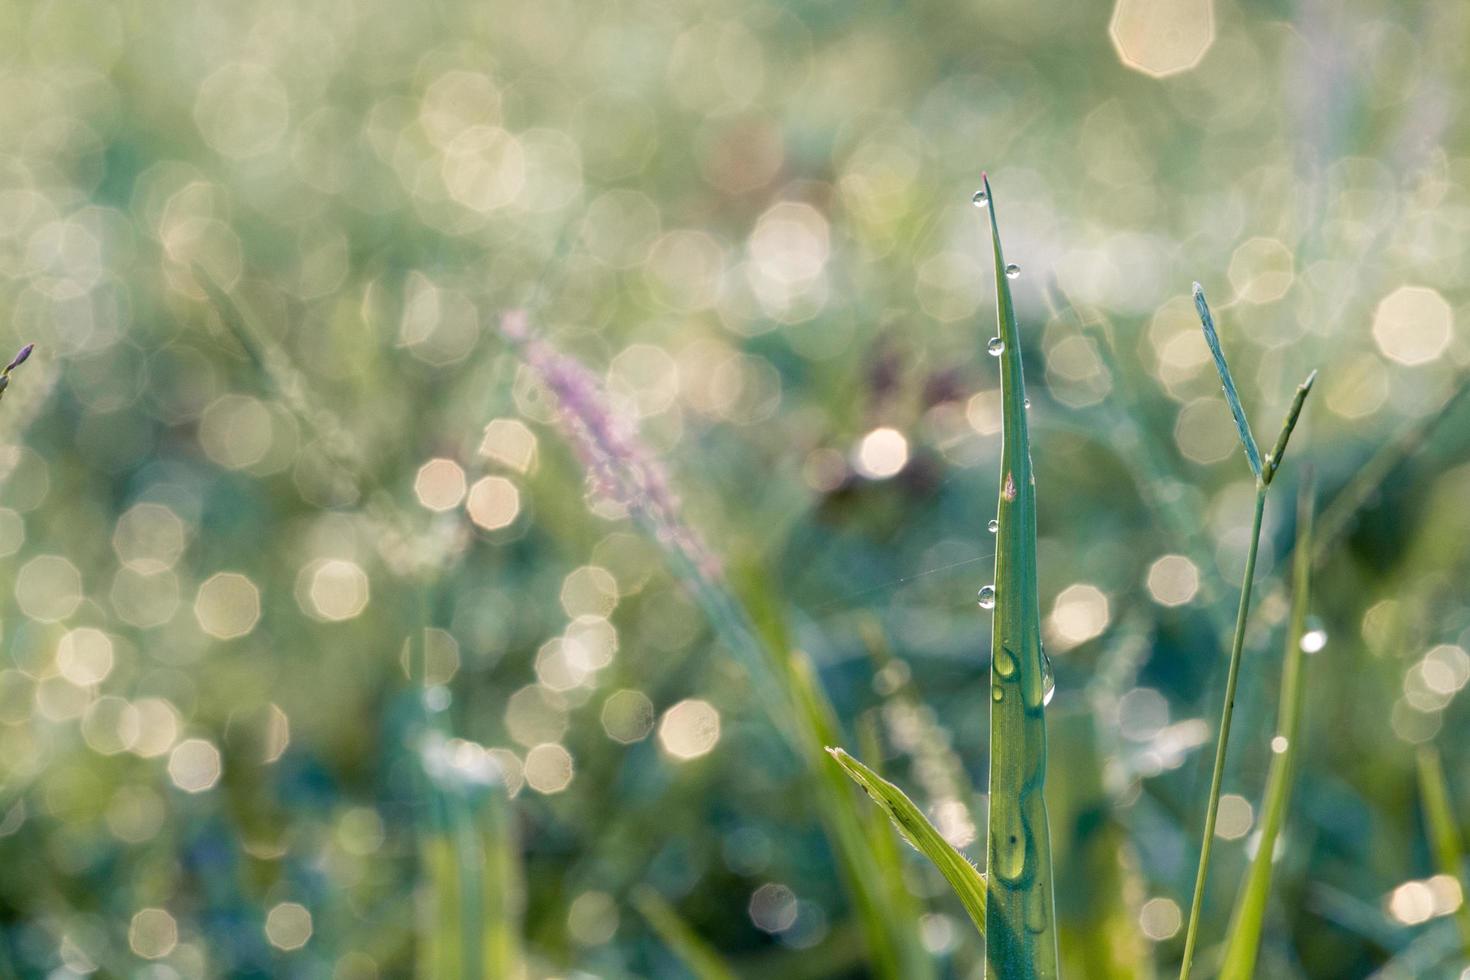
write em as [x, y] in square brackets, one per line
[20, 358]
[618, 464]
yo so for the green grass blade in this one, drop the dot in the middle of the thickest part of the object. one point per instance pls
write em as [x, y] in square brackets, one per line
[1232, 677]
[1444, 830]
[1250, 908]
[1020, 928]
[967, 882]
[1231, 395]
[698, 956]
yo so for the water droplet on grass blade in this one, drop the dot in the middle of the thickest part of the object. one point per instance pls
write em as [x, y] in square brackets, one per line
[993, 526]
[1048, 679]
[986, 597]
[997, 693]
[980, 198]
[1005, 663]
[1013, 271]
[1315, 638]
[995, 346]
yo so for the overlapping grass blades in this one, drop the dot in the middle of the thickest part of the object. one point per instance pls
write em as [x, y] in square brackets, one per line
[1265, 471]
[1020, 929]
[698, 957]
[967, 882]
[1250, 906]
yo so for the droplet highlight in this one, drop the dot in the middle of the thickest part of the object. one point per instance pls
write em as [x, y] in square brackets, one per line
[993, 526]
[1013, 271]
[986, 597]
[980, 199]
[996, 346]
[1048, 680]
[1315, 638]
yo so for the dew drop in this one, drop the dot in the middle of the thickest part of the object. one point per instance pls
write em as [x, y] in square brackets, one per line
[1315, 638]
[1005, 663]
[1025, 403]
[1013, 271]
[1048, 680]
[1279, 744]
[995, 346]
[993, 526]
[997, 693]
[986, 597]
[981, 199]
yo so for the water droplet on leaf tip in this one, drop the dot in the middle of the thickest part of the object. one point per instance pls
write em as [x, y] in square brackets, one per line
[1013, 271]
[980, 199]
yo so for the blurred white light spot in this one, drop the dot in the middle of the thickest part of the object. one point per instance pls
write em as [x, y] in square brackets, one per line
[1411, 903]
[1079, 614]
[592, 918]
[153, 933]
[689, 729]
[288, 926]
[510, 443]
[627, 716]
[1261, 270]
[48, 588]
[1162, 37]
[1173, 580]
[589, 590]
[881, 453]
[227, 605]
[1279, 744]
[194, 765]
[548, 768]
[440, 484]
[493, 502]
[242, 110]
[1234, 818]
[84, 656]
[1159, 919]
[773, 908]
[339, 589]
[1413, 325]
[149, 538]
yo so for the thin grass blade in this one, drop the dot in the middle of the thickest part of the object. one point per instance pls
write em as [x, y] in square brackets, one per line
[967, 882]
[1250, 908]
[1444, 830]
[1231, 395]
[698, 956]
[1020, 927]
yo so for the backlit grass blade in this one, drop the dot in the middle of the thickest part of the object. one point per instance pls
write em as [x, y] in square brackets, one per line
[1444, 831]
[1232, 396]
[698, 956]
[1264, 476]
[1020, 923]
[967, 882]
[1250, 908]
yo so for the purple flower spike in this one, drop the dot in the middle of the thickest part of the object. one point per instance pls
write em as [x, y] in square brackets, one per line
[617, 462]
[20, 358]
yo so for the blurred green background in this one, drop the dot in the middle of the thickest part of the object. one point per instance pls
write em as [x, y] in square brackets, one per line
[302, 633]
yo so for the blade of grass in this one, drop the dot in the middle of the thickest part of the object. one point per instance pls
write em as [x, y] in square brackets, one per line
[698, 956]
[1250, 909]
[1444, 830]
[1020, 927]
[1264, 475]
[1232, 397]
[967, 882]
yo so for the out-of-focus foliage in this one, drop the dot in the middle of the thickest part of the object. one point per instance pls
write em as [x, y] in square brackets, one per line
[321, 657]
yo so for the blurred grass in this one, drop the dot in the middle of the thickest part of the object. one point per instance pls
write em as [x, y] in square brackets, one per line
[748, 220]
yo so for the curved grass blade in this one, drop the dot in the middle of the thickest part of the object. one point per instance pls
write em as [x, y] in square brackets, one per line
[1020, 926]
[1231, 395]
[1250, 909]
[1444, 830]
[698, 956]
[967, 882]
